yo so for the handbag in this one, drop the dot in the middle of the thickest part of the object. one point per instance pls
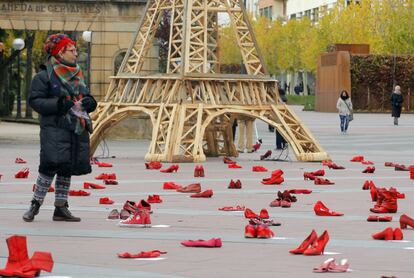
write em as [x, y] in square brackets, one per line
[351, 112]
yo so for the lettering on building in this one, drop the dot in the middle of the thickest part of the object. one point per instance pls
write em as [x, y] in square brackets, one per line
[50, 8]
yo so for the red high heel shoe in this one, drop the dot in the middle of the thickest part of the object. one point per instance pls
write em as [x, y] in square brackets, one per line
[405, 221]
[305, 244]
[106, 176]
[235, 184]
[369, 170]
[266, 155]
[153, 165]
[321, 210]
[148, 254]
[259, 169]
[335, 167]
[367, 185]
[172, 168]
[318, 246]
[387, 234]
[321, 181]
[357, 158]
[22, 174]
[88, 185]
[78, 193]
[110, 182]
[318, 173]
[236, 208]
[196, 171]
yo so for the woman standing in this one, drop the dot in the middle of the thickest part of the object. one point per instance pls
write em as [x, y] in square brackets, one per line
[396, 102]
[344, 106]
[59, 94]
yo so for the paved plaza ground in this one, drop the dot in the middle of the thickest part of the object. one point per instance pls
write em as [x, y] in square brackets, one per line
[89, 248]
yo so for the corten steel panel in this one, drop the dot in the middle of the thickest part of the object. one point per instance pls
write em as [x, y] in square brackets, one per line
[333, 76]
[353, 48]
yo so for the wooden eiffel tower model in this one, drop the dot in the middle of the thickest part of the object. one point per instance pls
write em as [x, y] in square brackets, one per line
[192, 105]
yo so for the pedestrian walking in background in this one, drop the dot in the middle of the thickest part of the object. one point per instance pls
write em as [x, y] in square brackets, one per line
[344, 106]
[59, 94]
[396, 102]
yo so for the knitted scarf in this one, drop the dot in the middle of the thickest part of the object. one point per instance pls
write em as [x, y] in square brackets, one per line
[73, 88]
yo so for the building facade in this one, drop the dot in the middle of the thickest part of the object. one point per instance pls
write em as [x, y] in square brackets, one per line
[273, 9]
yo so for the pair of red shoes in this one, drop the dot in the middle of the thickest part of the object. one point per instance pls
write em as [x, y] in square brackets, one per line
[106, 176]
[369, 170]
[258, 231]
[321, 210]
[312, 245]
[259, 169]
[205, 194]
[78, 193]
[236, 208]
[228, 160]
[152, 199]
[275, 178]
[105, 201]
[19, 160]
[22, 174]
[51, 189]
[199, 171]
[368, 184]
[376, 218]
[266, 155]
[133, 207]
[322, 181]
[264, 214]
[191, 188]
[358, 158]
[283, 200]
[89, 185]
[389, 234]
[234, 166]
[18, 263]
[110, 182]
[153, 165]
[103, 164]
[330, 266]
[171, 169]
[313, 175]
[235, 184]
[169, 185]
[211, 243]
[143, 254]
[386, 200]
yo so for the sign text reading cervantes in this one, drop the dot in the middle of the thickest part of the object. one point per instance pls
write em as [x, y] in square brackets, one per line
[50, 8]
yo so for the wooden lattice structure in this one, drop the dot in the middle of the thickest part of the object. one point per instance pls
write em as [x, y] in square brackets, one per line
[192, 105]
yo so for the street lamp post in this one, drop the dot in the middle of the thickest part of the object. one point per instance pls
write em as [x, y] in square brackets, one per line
[18, 45]
[87, 36]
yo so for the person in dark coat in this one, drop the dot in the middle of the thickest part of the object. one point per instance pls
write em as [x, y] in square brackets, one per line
[396, 102]
[59, 94]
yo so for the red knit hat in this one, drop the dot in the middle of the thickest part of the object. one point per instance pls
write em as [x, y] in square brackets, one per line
[54, 43]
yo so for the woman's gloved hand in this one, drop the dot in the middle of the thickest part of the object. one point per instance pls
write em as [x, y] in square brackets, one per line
[88, 104]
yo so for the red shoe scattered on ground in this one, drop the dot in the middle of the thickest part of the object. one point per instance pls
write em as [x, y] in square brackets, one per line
[248, 213]
[22, 174]
[259, 169]
[153, 165]
[235, 184]
[205, 194]
[389, 234]
[368, 162]
[110, 182]
[171, 169]
[147, 254]
[308, 242]
[191, 188]
[106, 176]
[88, 185]
[376, 218]
[154, 199]
[321, 181]
[103, 164]
[258, 231]
[228, 160]
[199, 171]
[405, 221]
[330, 266]
[300, 191]
[211, 243]
[358, 158]
[369, 170]
[321, 210]
[105, 201]
[114, 215]
[275, 178]
[389, 164]
[171, 186]
[234, 166]
[20, 161]
[138, 219]
[236, 208]
[266, 155]
[78, 193]
[318, 247]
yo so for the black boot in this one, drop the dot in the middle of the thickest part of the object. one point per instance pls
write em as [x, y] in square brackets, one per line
[62, 213]
[29, 215]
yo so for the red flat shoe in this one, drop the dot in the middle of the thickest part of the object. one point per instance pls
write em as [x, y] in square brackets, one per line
[148, 254]
[264, 214]
[191, 188]
[106, 176]
[285, 204]
[205, 194]
[263, 231]
[367, 162]
[321, 181]
[104, 164]
[335, 167]
[389, 164]
[236, 208]
[250, 231]
[153, 165]
[274, 203]
[369, 170]
[88, 185]
[228, 160]
[171, 169]
[110, 182]
[259, 169]
[234, 166]
[318, 247]
[338, 268]
[300, 191]
[357, 158]
[273, 180]
[248, 213]
[105, 201]
[153, 199]
[214, 242]
[305, 244]
[171, 186]
[321, 210]
[20, 161]
[387, 234]
[78, 193]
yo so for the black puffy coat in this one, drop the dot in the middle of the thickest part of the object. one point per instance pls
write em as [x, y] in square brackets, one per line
[396, 102]
[62, 151]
